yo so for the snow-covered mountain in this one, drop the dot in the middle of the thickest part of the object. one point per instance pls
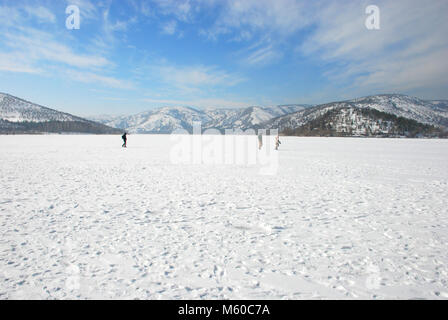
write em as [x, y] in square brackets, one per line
[413, 108]
[351, 117]
[353, 121]
[14, 109]
[168, 119]
[248, 117]
[439, 105]
[164, 120]
[433, 113]
[21, 116]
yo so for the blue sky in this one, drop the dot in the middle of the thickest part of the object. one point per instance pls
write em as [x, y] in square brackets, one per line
[130, 56]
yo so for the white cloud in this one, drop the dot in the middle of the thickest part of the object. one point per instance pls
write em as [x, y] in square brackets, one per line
[408, 52]
[13, 16]
[429, 70]
[87, 9]
[41, 13]
[280, 17]
[201, 103]
[40, 46]
[196, 76]
[146, 9]
[412, 35]
[169, 28]
[89, 77]
[270, 24]
[28, 50]
[264, 55]
[118, 25]
[113, 99]
[141, 7]
[109, 28]
[15, 62]
[181, 9]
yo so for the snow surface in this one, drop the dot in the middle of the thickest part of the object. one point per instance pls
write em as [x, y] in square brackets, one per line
[343, 218]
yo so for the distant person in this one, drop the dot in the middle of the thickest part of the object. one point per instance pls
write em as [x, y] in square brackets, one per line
[277, 142]
[260, 140]
[125, 140]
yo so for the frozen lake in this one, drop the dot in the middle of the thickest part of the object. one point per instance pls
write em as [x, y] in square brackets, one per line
[341, 218]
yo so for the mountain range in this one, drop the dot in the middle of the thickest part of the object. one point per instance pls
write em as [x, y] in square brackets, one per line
[378, 115]
[168, 119]
[388, 115]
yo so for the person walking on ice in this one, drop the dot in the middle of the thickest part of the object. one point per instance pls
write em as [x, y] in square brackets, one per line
[260, 140]
[125, 140]
[277, 142]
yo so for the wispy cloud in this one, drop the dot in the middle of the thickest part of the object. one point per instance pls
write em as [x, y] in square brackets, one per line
[13, 16]
[88, 10]
[89, 77]
[41, 13]
[111, 27]
[280, 17]
[264, 55]
[121, 44]
[400, 56]
[180, 9]
[169, 28]
[201, 103]
[256, 22]
[113, 99]
[27, 49]
[196, 77]
[333, 32]
[16, 62]
[38, 46]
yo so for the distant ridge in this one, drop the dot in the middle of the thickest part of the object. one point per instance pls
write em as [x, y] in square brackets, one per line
[385, 115]
[381, 115]
[18, 116]
[168, 119]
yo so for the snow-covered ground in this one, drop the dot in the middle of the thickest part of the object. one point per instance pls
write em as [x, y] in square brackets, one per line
[80, 217]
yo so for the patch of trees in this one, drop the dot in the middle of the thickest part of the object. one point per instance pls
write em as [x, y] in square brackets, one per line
[327, 125]
[55, 127]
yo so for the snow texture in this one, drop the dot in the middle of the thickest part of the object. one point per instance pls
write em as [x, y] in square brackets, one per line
[343, 218]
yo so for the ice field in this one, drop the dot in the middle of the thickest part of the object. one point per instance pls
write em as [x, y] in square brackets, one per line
[341, 218]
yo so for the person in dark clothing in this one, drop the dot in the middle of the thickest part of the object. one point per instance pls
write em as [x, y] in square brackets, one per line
[277, 142]
[125, 139]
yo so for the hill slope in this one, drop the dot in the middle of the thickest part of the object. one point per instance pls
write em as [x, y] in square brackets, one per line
[360, 114]
[21, 116]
